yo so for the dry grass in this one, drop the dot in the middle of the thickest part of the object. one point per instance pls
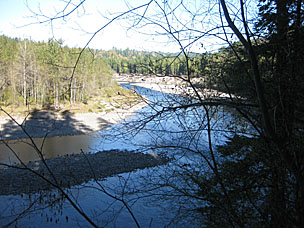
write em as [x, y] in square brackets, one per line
[108, 100]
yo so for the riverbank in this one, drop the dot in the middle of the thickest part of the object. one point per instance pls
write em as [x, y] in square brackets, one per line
[42, 123]
[173, 85]
[73, 170]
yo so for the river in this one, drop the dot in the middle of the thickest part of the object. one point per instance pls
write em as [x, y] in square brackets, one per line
[181, 128]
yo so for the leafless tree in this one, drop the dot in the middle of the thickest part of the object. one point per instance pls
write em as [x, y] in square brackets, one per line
[191, 124]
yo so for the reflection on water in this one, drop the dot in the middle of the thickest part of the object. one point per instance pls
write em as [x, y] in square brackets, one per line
[52, 147]
[106, 211]
[164, 130]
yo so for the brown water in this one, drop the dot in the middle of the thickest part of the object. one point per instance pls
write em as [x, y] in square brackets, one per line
[52, 147]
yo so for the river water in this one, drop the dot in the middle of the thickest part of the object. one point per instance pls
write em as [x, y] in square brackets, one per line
[170, 130]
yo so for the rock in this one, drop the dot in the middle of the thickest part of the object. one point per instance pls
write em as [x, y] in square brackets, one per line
[73, 170]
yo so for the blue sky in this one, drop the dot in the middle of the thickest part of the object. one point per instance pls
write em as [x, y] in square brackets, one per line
[10, 9]
[16, 15]
[78, 28]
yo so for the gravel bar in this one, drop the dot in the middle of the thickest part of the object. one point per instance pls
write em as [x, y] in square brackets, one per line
[74, 170]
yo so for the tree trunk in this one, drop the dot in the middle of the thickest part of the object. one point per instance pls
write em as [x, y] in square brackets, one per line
[71, 93]
[24, 75]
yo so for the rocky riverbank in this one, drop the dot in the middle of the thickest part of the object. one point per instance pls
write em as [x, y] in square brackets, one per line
[73, 170]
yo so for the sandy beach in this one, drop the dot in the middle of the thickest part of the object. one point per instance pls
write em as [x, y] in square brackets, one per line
[49, 123]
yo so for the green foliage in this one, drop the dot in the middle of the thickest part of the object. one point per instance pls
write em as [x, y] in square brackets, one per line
[42, 73]
[227, 72]
[238, 194]
[8, 96]
[140, 62]
[258, 180]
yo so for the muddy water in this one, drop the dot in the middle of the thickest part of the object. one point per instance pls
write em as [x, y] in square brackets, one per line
[52, 147]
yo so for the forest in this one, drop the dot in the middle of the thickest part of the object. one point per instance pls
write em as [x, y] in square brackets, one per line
[142, 62]
[43, 73]
[252, 176]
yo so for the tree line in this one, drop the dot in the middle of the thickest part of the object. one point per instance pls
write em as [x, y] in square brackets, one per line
[141, 62]
[44, 73]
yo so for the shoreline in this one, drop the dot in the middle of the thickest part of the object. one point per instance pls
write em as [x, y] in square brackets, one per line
[74, 170]
[172, 85]
[71, 169]
[47, 123]
[50, 123]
